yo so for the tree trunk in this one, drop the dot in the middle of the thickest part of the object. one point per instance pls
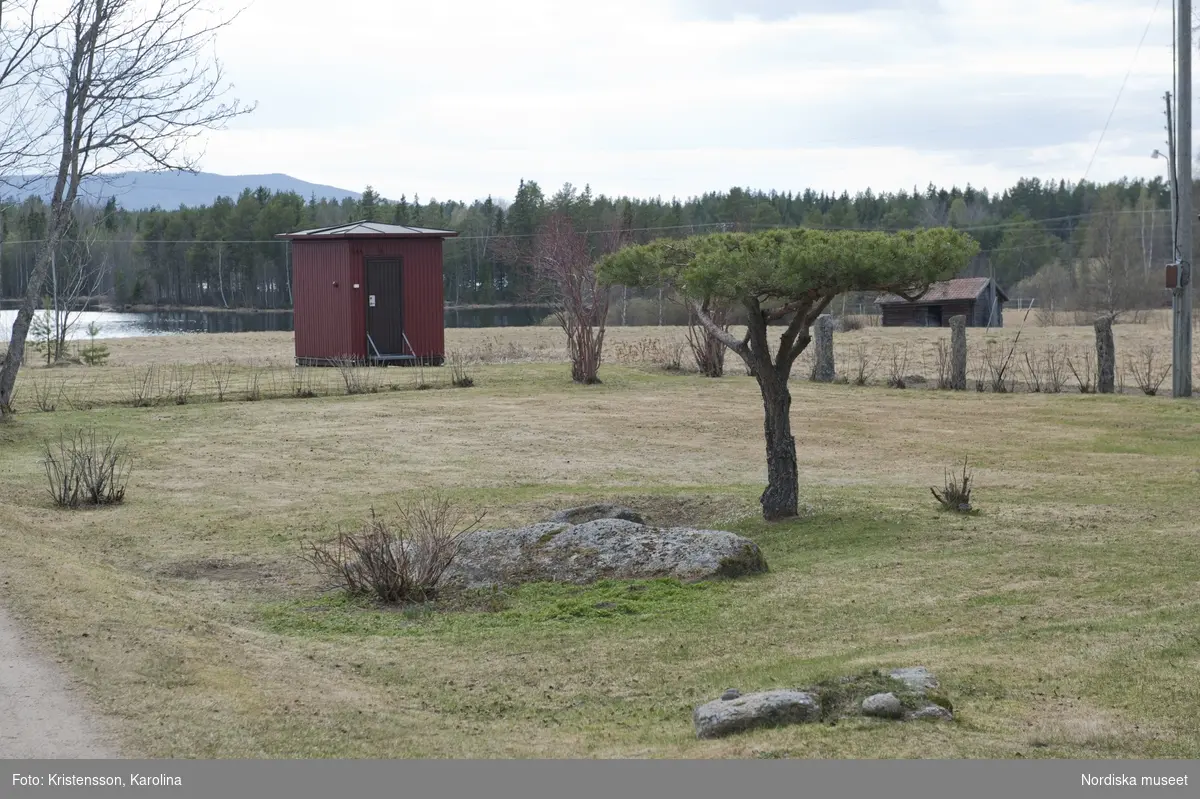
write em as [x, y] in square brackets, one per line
[958, 353]
[1106, 356]
[823, 370]
[781, 498]
[15, 356]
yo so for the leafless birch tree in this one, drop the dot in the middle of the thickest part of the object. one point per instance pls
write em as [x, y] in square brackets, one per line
[122, 84]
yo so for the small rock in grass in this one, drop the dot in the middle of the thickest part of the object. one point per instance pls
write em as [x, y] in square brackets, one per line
[885, 706]
[767, 709]
[730, 694]
[934, 712]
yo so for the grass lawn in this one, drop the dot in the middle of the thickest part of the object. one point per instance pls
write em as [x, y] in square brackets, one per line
[1062, 621]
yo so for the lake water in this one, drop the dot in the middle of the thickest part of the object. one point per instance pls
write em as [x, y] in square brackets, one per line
[159, 323]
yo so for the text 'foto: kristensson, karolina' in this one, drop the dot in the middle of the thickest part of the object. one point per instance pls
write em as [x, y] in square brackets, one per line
[97, 781]
[1128, 780]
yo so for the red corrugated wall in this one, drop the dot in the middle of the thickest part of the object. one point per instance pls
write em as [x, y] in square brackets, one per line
[424, 314]
[329, 320]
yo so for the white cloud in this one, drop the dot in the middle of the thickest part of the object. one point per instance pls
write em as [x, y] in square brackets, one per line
[675, 97]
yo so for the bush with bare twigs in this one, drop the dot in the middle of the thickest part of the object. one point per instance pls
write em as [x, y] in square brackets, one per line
[1082, 363]
[1149, 370]
[956, 491]
[998, 365]
[898, 366]
[1032, 368]
[562, 258]
[459, 378]
[1054, 362]
[944, 367]
[47, 392]
[143, 386]
[356, 376]
[302, 383]
[179, 383]
[707, 349]
[86, 470]
[863, 363]
[221, 374]
[402, 561]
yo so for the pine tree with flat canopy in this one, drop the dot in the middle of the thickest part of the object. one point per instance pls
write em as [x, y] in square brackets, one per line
[786, 278]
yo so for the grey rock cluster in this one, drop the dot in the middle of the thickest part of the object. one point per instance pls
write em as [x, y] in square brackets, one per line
[736, 712]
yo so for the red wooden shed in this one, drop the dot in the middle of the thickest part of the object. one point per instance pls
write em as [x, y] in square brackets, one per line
[370, 292]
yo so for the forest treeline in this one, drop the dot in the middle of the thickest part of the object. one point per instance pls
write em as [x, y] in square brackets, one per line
[1077, 246]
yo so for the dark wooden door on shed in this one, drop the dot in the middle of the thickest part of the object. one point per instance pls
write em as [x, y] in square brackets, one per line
[385, 307]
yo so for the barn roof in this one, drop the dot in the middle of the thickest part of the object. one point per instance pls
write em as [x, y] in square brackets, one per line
[368, 229]
[962, 288]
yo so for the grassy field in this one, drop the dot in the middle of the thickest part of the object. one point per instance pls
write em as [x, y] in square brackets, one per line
[1062, 620]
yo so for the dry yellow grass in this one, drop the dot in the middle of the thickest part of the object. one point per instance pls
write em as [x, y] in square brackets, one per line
[1062, 621]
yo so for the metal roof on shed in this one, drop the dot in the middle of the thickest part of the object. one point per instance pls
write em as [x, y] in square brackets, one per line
[368, 229]
[963, 288]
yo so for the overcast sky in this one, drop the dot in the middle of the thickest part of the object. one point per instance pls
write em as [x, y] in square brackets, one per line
[458, 100]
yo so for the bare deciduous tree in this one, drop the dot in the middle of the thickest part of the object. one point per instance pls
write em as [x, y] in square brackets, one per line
[563, 262]
[120, 83]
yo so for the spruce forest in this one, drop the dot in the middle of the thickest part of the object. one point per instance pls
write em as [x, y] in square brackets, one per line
[1083, 246]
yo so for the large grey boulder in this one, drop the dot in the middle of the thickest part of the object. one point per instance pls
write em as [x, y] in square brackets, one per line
[768, 709]
[597, 550]
[884, 706]
[590, 513]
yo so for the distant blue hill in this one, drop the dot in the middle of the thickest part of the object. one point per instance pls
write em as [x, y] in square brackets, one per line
[137, 191]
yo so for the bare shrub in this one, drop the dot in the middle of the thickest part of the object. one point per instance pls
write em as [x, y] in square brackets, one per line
[1033, 371]
[86, 470]
[1149, 370]
[707, 349]
[47, 392]
[179, 382]
[399, 562]
[863, 363]
[944, 366]
[562, 260]
[1082, 364]
[253, 392]
[956, 491]
[998, 364]
[977, 366]
[79, 398]
[302, 383]
[1054, 360]
[673, 355]
[459, 378]
[357, 377]
[848, 324]
[143, 386]
[221, 373]
[898, 366]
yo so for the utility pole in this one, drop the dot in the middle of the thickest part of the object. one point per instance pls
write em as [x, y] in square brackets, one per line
[1181, 294]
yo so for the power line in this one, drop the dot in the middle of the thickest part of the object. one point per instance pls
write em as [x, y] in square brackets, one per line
[1121, 91]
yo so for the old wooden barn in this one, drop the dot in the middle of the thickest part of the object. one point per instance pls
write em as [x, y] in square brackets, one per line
[977, 298]
[368, 292]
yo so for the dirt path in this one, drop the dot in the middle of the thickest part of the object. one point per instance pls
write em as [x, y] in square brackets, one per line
[39, 715]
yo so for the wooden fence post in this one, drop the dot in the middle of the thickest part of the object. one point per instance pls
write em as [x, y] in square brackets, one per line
[822, 370]
[958, 353]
